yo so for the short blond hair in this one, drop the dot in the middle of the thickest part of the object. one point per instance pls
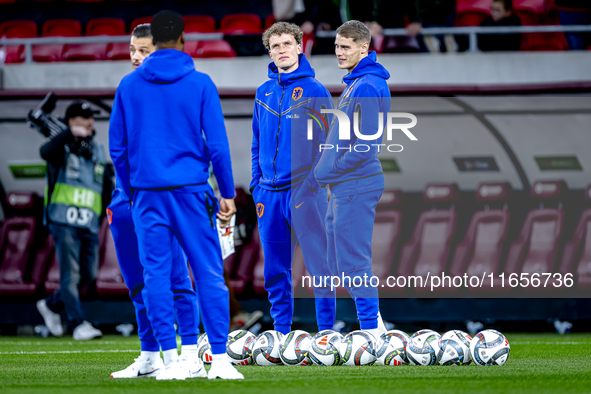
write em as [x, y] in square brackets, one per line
[280, 28]
[355, 30]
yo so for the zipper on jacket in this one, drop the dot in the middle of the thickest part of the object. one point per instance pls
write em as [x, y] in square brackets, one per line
[278, 128]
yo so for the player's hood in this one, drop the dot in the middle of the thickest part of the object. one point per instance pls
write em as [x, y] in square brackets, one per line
[367, 65]
[166, 66]
[304, 70]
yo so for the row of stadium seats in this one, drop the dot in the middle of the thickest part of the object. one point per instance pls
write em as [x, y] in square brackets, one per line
[29, 268]
[231, 24]
[436, 246]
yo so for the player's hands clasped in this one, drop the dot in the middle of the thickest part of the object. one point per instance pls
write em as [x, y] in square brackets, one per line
[227, 210]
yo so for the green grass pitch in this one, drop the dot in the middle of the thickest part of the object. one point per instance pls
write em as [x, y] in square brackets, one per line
[538, 363]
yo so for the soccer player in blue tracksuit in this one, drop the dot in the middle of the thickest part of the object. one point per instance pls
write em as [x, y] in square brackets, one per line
[187, 312]
[166, 126]
[354, 172]
[290, 205]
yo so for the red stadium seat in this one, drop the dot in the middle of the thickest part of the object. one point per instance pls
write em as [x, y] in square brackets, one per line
[17, 239]
[140, 21]
[105, 26]
[471, 12]
[536, 249]
[386, 234]
[118, 51]
[258, 278]
[481, 249]
[241, 24]
[242, 276]
[7, 1]
[269, 21]
[85, 52]
[55, 28]
[544, 42]
[110, 281]
[17, 29]
[97, 51]
[199, 24]
[209, 49]
[429, 248]
[576, 258]
[62, 28]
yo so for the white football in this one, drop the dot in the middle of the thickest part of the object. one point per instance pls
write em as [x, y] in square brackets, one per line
[324, 349]
[294, 348]
[454, 348]
[423, 347]
[239, 347]
[391, 348]
[358, 348]
[489, 347]
[265, 350]
[204, 349]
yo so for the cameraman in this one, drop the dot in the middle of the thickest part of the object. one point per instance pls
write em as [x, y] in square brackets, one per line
[79, 184]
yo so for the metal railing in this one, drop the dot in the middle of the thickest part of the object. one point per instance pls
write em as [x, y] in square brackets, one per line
[471, 31]
[29, 42]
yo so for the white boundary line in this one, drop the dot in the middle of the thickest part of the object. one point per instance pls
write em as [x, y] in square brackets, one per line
[76, 351]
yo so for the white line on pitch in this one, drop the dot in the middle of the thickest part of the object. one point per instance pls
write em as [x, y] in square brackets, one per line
[76, 351]
[45, 343]
[547, 343]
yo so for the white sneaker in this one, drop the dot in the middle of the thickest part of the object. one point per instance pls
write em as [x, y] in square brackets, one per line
[193, 366]
[86, 331]
[52, 320]
[141, 368]
[173, 370]
[223, 370]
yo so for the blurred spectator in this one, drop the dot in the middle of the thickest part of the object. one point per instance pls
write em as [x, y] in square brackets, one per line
[501, 14]
[312, 16]
[575, 12]
[414, 14]
[436, 13]
[387, 15]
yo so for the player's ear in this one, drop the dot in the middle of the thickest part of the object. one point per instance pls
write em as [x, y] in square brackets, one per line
[365, 48]
[299, 48]
[181, 41]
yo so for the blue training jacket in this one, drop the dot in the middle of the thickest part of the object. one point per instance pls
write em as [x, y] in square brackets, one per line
[282, 155]
[367, 93]
[167, 125]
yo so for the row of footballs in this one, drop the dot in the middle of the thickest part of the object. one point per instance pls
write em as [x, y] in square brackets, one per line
[424, 347]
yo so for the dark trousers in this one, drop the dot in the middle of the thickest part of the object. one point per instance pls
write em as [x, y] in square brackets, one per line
[576, 41]
[78, 255]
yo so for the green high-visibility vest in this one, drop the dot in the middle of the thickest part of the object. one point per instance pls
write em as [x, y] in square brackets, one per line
[76, 200]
